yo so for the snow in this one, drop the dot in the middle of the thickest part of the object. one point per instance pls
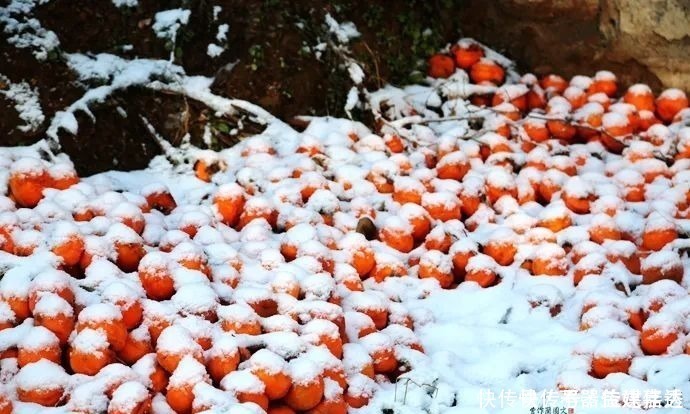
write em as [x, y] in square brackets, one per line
[125, 3]
[25, 32]
[344, 32]
[41, 375]
[90, 341]
[26, 103]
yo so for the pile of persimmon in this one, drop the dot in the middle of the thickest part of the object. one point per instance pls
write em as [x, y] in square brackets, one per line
[271, 274]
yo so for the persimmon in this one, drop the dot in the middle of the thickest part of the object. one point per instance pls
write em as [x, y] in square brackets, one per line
[434, 264]
[408, 190]
[229, 201]
[326, 333]
[623, 251]
[222, 358]
[137, 345]
[158, 197]
[486, 70]
[549, 260]
[128, 255]
[55, 314]
[380, 348]
[669, 103]
[6, 404]
[394, 143]
[440, 66]
[180, 395]
[240, 319]
[591, 264]
[438, 239]
[467, 54]
[247, 387]
[28, 179]
[481, 269]
[536, 98]
[658, 232]
[501, 246]
[207, 166]
[499, 183]
[56, 282]
[273, 371]
[156, 377]
[257, 208]
[131, 397]
[69, 248]
[397, 233]
[360, 391]
[452, 166]
[553, 84]
[155, 276]
[536, 129]
[605, 82]
[461, 252]
[665, 264]
[612, 356]
[641, 96]
[442, 206]
[603, 227]
[578, 195]
[418, 218]
[655, 340]
[575, 96]
[561, 129]
[647, 120]
[39, 343]
[174, 344]
[42, 383]
[107, 318]
[89, 352]
[387, 266]
[371, 305]
[307, 385]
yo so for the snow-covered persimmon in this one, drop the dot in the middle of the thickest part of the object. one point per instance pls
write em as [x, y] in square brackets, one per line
[106, 318]
[397, 233]
[55, 314]
[28, 179]
[174, 344]
[481, 269]
[39, 343]
[658, 333]
[442, 205]
[246, 387]
[467, 54]
[42, 383]
[307, 384]
[434, 264]
[486, 70]
[273, 371]
[612, 356]
[665, 264]
[131, 397]
[669, 103]
[179, 392]
[155, 276]
[137, 345]
[240, 319]
[89, 352]
[441, 66]
[223, 357]
[658, 232]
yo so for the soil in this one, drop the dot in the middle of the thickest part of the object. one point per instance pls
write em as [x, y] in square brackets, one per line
[266, 61]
